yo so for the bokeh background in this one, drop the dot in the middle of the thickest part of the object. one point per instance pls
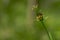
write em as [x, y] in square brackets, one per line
[17, 20]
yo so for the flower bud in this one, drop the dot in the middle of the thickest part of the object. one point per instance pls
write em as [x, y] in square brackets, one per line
[40, 16]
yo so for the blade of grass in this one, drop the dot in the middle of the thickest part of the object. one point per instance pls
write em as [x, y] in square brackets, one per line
[48, 33]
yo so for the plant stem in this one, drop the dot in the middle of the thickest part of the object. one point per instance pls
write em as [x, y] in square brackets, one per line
[48, 33]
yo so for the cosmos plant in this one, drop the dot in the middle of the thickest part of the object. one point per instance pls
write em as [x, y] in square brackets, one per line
[41, 18]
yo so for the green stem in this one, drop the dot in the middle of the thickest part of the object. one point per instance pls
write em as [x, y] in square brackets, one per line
[48, 33]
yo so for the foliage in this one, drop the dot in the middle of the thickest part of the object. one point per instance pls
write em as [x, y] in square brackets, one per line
[13, 20]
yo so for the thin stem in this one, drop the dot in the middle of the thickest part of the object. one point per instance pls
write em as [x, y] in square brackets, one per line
[48, 33]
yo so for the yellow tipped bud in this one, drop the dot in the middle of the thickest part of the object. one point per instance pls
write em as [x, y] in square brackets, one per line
[34, 6]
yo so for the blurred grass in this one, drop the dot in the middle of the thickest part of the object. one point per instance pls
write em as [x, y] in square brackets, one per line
[13, 20]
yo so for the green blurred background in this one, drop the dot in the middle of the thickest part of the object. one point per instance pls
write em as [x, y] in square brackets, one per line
[17, 20]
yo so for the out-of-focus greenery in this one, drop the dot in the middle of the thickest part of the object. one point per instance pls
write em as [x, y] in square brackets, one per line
[13, 20]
